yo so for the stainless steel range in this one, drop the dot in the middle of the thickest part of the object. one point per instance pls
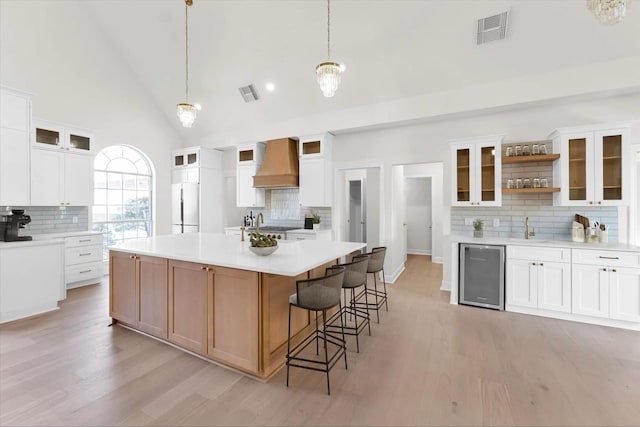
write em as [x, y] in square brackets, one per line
[273, 231]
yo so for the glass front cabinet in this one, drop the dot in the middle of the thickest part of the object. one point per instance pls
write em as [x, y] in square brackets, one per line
[476, 171]
[56, 136]
[593, 168]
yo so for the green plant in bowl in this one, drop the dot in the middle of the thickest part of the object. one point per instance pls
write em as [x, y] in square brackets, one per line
[261, 244]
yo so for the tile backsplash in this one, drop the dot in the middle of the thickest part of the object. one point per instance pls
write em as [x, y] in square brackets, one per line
[282, 208]
[52, 219]
[548, 221]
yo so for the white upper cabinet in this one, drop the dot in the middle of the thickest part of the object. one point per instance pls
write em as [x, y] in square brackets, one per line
[57, 136]
[61, 178]
[316, 170]
[593, 168]
[249, 158]
[15, 127]
[476, 171]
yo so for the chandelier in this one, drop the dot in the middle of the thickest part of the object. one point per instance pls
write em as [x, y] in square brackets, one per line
[329, 72]
[186, 112]
[608, 11]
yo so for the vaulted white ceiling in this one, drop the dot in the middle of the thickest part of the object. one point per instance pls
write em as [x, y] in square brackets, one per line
[393, 49]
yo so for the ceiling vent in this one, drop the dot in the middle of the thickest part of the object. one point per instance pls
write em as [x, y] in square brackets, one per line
[248, 93]
[492, 28]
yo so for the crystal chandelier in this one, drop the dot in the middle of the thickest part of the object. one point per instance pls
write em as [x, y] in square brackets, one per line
[608, 11]
[186, 112]
[329, 72]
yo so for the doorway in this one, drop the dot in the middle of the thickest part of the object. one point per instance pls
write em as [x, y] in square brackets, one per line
[356, 210]
[418, 215]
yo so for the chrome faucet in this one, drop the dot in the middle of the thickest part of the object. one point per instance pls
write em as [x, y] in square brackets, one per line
[527, 233]
[259, 218]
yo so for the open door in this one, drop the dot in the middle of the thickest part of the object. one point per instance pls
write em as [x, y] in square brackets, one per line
[357, 211]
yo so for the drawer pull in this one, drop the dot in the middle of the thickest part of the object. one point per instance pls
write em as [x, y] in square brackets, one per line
[84, 240]
[85, 271]
[609, 257]
[604, 269]
[299, 238]
[85, 254]
[533, 263]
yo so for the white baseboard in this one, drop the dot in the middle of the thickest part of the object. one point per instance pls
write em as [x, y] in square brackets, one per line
[437, 260]
[392, 278]
[634, 326]
[445, 286]
[419, 251]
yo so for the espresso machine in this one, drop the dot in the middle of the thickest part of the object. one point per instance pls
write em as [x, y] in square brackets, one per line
[11, 224]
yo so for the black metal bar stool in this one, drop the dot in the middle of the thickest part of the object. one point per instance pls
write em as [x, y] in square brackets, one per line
[319, 294]
[375, 266]
[355, 276]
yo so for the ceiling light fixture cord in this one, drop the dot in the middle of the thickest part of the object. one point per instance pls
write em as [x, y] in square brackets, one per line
[328, 29]
[186, 48]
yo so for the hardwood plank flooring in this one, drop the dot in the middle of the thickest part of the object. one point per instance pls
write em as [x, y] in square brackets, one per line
[426, 363]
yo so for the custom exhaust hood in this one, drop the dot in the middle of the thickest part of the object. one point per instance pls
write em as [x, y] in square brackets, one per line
[280, 165]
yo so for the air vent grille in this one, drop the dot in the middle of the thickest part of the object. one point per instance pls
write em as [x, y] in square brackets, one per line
[492, 28]
[248, 93]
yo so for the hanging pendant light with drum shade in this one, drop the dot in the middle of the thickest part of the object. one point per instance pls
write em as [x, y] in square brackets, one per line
[186, 111]
[329, 72]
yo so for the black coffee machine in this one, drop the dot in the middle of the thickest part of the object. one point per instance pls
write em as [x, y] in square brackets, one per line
[11, 224]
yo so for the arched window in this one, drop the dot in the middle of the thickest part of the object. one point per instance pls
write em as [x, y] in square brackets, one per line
[123, 183]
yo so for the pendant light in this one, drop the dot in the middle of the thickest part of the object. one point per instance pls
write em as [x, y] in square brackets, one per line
[608, 11]
[329, 72]
[186, 111]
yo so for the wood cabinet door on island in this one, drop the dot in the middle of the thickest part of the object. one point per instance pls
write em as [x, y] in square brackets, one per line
[122, 287]
[138, 291]
[188, 290]
[233, 317]
[151, 313]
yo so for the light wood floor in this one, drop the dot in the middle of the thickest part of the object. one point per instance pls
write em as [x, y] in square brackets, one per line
[426, 363]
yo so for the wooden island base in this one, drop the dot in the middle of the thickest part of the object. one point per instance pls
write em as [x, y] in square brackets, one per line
[234, 317]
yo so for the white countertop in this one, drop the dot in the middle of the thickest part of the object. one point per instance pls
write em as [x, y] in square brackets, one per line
[47, 239]
[291, 259]
[614, 246]
[307, 231]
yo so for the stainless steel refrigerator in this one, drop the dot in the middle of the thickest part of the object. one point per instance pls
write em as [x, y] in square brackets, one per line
[185, 208]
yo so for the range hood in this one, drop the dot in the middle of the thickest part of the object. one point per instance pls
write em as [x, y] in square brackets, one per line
[280, 165]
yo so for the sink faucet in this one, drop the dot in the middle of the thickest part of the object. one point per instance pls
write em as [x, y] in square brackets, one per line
[258, 219]
[527, 233]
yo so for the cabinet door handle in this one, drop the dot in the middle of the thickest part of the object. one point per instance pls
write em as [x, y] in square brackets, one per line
[609, 257]
[541, 263]
[203, 268]
[533, 263]
[85, 271]
[604, 269]
[599, 203]
[84, 240]
[613, 269]
[590, 203]
[132, 257]
[85, 254]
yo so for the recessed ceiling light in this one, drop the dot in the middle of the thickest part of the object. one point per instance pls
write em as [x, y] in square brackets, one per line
[198, 107]
[270, 87]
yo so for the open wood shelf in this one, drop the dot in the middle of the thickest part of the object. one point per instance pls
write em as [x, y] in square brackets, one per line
[529, 159]
[531, 190]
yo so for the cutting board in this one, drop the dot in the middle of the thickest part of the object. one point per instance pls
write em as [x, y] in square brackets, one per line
[582, 220]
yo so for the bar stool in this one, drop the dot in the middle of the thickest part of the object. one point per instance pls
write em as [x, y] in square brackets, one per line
[375, 266]
[355, 276]
[319, 294]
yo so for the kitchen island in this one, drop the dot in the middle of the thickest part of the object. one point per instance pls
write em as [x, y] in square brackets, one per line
[208, 294]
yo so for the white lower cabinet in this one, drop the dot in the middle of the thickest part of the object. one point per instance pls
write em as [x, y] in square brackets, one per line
[535, 284]
[607, 292]
[83, 260]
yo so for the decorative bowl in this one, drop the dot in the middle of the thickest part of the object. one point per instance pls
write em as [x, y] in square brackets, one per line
[263, 250]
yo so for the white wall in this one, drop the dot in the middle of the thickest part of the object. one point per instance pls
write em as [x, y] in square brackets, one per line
[87, 86]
